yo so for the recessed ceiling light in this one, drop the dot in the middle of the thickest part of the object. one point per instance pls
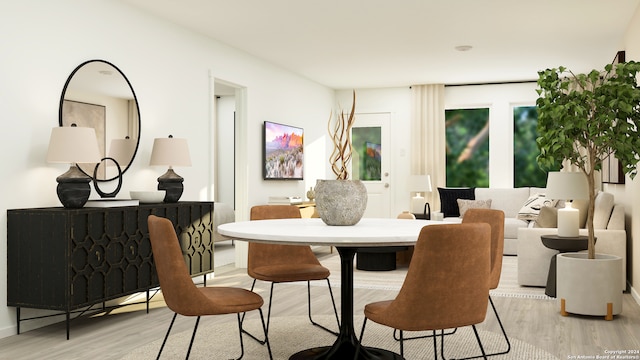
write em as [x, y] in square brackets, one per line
[463, 47]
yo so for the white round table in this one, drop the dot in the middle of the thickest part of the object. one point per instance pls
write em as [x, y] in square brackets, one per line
[347, 239]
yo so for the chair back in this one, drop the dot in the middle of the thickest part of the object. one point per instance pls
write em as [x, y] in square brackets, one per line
[178, 289]
[495, 219]
[447, 283]
[273, 254]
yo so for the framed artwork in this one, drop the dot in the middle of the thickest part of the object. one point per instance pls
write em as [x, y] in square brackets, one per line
[283, 152]
[87, 115]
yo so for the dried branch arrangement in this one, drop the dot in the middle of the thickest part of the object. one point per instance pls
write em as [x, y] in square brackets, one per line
[340, 132]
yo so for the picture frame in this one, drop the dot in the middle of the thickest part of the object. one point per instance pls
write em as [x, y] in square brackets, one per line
[283, 152]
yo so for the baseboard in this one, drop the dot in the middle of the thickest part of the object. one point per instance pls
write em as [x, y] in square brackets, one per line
[635, 294]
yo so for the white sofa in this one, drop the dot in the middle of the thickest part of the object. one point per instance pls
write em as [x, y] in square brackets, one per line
[609, 225]
[510, 201]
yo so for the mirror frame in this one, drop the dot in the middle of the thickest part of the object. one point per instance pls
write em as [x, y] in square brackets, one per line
[135, 98]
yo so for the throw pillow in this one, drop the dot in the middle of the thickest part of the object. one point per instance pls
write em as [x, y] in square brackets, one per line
[449, 199]
[548, 217]
[465, 205]
[531, 207]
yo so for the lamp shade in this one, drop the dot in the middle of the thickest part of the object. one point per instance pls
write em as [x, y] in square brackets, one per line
[564, 185]
[121, 150]
[170, 151]
[420, 183]
[73, 144]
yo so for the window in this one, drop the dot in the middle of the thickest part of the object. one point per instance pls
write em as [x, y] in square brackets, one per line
[525, 150]
[467, 136]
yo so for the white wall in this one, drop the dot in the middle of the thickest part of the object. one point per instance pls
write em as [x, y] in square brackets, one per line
[631, 190]
[170, 70]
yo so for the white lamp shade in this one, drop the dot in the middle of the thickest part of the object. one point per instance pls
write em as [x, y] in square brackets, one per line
[170, 151]
[565, 185]
[420, 183]
[73, 144]
[122, 150]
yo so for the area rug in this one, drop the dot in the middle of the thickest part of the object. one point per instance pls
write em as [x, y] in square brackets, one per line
[392, 280]
[289, 335]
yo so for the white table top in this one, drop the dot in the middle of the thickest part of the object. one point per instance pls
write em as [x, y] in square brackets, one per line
[367, 232]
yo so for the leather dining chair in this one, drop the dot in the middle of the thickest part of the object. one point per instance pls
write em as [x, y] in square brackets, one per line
[446, 286]
[285, 263]
[495, 219]
[181, 294]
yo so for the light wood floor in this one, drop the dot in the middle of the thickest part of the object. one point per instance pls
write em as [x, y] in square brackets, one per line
[111, 336]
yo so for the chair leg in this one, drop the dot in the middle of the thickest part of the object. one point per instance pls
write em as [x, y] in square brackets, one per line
[504, 333]
[167, 335]
[335, 309]
[261, 342]
[364, 324]
[475, 331]
[396, 338]
[266, 337]
[193, 336]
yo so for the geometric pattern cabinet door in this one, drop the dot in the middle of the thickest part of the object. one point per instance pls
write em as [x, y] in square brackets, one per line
[68, 259]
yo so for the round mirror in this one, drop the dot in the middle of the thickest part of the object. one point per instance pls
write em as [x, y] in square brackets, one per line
[97, 94]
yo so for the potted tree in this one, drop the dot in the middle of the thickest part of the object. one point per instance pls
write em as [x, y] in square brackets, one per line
[583, 119]
[341, 201]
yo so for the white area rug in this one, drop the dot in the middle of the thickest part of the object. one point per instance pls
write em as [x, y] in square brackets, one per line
[288, 335]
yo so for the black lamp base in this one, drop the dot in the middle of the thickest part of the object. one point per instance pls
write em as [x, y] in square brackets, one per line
[172, 184]
[73, 188]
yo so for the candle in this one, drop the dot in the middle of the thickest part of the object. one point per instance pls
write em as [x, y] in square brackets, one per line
[417, 204]
[568, 221]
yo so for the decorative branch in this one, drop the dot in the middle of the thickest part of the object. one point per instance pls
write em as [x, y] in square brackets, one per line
[340, 133]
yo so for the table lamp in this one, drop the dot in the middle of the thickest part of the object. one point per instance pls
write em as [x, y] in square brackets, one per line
[172, 152]
[73, 144]
[568, 186]
[419, 184]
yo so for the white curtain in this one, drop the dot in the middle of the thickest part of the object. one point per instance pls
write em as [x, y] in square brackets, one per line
[428, 141]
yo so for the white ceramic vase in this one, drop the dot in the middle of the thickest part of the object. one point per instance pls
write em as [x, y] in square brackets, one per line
[589, 286]
[340, 202]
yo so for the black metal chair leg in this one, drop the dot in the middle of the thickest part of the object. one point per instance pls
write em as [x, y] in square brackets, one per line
[504, 333]
[396, 338]
[266, 337]
[335, 310]
[364, 324]
[475, 331]
[240, 333]
[193, 336]
[166, 336]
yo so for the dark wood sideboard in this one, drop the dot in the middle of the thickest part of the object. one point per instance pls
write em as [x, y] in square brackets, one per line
[71, 260]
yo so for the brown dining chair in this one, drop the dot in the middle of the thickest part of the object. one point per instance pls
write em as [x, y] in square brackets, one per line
[495, 219]
[285, 263]
[446, 286]
[181, 294]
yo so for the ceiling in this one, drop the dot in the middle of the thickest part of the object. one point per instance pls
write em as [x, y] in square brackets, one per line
[380, 43]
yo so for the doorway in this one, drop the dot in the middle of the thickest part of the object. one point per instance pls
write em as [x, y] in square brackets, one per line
[371, 161]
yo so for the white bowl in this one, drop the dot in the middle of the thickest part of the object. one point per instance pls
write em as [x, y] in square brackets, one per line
[148, 197]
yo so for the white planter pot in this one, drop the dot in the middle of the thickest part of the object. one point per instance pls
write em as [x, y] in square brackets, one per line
[589, 286]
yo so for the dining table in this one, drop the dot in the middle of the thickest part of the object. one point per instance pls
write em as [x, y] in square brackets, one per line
[368, 232]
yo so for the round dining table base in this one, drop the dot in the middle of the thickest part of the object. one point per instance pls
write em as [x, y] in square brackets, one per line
[345, 352]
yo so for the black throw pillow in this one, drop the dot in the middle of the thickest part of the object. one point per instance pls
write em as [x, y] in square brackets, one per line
[449, 199]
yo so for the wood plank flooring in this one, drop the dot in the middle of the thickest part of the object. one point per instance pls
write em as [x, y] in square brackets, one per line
[111, 336]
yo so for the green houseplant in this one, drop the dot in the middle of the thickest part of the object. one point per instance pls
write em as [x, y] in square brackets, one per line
[583, 118]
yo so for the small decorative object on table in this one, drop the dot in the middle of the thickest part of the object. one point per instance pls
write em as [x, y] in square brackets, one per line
[311, 194]
[341, 201]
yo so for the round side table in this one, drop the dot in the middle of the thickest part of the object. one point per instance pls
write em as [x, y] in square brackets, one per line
[563, 245]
